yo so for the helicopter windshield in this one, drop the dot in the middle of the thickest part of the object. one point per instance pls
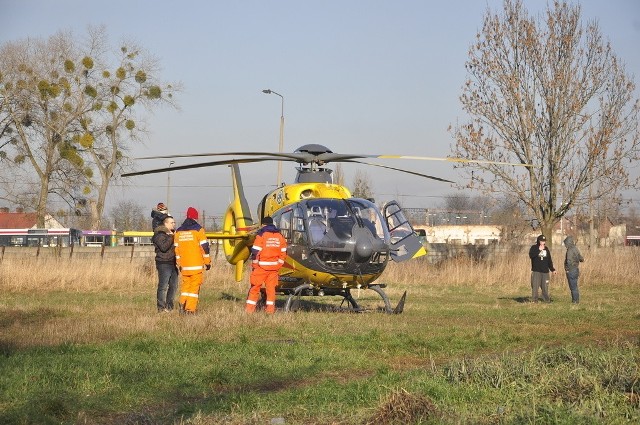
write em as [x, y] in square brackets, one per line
[334, 219]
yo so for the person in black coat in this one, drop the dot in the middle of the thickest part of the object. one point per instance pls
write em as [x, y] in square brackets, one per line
[165, 264]
[158, 215]
[541, 265]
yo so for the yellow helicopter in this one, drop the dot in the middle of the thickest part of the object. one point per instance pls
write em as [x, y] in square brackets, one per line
[336, 243]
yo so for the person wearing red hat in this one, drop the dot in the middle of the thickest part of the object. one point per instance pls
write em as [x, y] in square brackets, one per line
[268, 253]
[192, 258]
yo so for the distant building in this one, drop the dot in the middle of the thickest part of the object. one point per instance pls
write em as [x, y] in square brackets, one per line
[22, 220]
[470, 234]
[462, 234]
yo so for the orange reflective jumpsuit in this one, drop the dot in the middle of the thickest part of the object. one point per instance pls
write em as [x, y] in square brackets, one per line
[269, 251]
[192, 258]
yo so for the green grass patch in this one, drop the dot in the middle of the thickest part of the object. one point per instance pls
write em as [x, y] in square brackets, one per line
[456, 355]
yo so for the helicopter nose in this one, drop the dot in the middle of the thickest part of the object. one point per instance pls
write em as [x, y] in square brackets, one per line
[363, 251]
[365, 244]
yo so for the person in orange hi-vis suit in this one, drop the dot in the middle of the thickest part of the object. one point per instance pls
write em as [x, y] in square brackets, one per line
[192, 258]
[268, 253]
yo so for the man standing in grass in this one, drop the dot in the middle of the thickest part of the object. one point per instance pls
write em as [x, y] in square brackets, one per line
[268, 253]
[165, 264]
[541, 265]
[192, 257]
[571, 265]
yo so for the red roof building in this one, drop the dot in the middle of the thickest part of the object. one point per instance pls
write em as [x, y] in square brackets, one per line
[22, 220]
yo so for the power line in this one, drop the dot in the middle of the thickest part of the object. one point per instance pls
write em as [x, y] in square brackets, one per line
[413, 195]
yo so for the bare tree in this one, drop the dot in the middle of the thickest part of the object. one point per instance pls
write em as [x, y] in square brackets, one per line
[458, 202]
[338, 175]
[550, 92]
[473, 209]
[362, 187]
[513, 221]
[128, 215]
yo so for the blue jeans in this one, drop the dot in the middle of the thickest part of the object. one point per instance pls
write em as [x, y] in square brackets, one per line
[572, 277]
[167, 285]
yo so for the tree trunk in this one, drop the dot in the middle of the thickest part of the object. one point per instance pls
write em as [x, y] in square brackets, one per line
[547, 231]
[98, 211]
[41, 209]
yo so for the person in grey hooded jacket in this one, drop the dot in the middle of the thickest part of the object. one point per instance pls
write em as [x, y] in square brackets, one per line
[571, 262]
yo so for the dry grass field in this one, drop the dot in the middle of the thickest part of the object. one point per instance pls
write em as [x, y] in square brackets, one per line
[81, 342]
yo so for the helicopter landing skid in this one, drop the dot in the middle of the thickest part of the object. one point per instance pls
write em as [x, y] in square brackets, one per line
[363, 304]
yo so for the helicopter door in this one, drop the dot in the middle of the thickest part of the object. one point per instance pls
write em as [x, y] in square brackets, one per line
[404, 241]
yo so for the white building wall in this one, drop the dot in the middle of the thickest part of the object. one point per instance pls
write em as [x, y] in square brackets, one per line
[462, 234]
[51, 223]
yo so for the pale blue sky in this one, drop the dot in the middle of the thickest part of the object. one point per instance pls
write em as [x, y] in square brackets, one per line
[376, 77]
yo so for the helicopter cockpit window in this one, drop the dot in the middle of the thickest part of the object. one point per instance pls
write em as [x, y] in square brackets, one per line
[333, 220]
[341, 221]
[284, 224]
[317, 223]
[371, 217]
[298, 235]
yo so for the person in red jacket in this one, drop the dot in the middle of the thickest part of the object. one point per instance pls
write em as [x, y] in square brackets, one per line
[192, 258]
[268, 253]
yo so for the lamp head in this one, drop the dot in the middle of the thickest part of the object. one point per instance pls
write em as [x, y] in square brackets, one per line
[267, 91]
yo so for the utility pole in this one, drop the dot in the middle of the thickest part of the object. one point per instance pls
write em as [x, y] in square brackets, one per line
[281, 143]
[168, 202]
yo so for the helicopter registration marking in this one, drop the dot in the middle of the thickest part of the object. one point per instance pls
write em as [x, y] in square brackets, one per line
[280, 196]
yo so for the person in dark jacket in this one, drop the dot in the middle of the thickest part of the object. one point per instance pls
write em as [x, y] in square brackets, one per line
[541, 265]
[158, 215]
[165, 263]
[572, 262]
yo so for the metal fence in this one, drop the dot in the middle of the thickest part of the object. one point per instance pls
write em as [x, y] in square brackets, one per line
[435, 252]
[438, 252]
[86, 252]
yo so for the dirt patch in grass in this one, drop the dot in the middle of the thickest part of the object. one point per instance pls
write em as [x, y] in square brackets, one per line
[402, 407]
[633, 399]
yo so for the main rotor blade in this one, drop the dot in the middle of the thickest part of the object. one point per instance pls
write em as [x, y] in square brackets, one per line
[432, 158]
[293, 156]
[201, 165]
[400, 169]
[301, 157]
[326, 157]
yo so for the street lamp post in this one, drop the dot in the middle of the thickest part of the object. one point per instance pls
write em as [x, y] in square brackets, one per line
[281, 145]
[169, 184]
